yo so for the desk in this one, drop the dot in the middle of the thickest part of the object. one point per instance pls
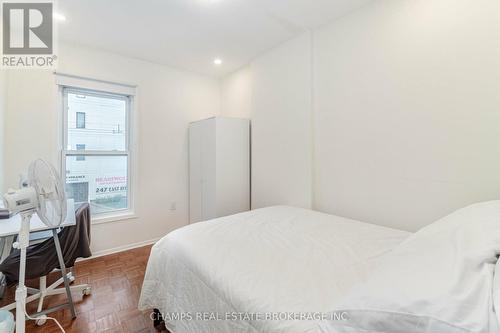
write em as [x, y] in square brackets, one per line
[10, 227]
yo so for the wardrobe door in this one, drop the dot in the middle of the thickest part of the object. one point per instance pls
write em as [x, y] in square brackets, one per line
[208, 171]
[195, 172]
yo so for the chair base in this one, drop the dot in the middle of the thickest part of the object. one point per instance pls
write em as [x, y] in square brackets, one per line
[45, 291]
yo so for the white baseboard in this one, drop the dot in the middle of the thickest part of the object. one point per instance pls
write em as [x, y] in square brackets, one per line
[120, 249]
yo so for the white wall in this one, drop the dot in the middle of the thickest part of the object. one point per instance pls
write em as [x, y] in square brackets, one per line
[236, 93]
[167, 100]
[281, 126]
[408, 110]
[406, 113]
[278, 100]
[3, 92]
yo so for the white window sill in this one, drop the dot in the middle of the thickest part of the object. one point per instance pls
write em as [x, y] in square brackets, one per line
[113, 217]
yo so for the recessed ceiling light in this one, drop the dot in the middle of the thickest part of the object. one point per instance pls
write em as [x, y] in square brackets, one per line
[59, 17]
[218, 61]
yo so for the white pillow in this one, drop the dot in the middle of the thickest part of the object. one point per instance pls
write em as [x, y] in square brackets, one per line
[439, 280]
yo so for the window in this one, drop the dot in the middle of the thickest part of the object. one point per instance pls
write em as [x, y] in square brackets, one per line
[80, 120]
[97, 156]
[80, 147]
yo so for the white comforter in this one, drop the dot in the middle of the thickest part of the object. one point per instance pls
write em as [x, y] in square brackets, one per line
[277, 261]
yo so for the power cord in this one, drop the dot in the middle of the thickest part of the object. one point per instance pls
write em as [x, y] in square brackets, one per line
[44, 317]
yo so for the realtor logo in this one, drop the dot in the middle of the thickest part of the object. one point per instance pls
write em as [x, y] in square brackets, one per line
[28, 35]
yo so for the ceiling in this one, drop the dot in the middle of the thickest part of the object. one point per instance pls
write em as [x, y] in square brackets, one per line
[190, 34]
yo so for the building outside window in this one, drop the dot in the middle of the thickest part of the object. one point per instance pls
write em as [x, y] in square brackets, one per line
[97, 156]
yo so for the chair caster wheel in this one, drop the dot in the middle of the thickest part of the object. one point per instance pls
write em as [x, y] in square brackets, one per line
[40, 321]
[87, 291]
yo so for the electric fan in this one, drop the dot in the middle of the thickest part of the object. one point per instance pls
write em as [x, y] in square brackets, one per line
[44, 196]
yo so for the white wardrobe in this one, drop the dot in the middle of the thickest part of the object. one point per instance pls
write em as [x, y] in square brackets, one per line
[219, 167]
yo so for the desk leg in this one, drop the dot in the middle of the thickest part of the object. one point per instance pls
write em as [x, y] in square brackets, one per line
[63, 271]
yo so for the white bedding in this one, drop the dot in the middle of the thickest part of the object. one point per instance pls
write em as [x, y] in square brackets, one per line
[438, 280]
[271, 261]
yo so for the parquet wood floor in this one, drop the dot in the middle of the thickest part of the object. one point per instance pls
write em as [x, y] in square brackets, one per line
[116, 282]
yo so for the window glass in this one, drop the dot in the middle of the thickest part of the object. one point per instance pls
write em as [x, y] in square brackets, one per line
[96, 156]
[100, 180]
[97, 121]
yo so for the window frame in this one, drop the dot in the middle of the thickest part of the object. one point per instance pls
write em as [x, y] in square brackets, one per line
[119, 214]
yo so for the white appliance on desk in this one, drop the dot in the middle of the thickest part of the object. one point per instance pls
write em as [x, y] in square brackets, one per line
[219, 167]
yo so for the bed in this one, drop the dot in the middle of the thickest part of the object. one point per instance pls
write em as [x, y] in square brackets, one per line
[278, 264]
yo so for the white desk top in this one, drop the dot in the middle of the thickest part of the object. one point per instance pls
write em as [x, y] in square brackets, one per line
[11, 226]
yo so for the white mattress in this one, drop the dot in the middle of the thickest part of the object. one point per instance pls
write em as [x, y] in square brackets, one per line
[271, 261]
